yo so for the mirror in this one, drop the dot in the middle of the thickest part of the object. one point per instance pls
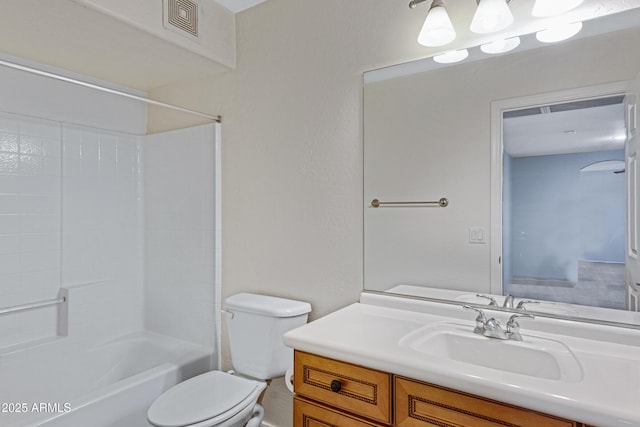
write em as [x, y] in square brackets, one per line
[434, 132]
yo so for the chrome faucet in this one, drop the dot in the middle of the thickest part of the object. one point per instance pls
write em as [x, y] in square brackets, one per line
[492, 300]
[513, 327]
[508, 301]
[526, 301]
[481, 320]
[491, 328]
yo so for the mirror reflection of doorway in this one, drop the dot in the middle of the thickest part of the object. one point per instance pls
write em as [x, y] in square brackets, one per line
[564, 203]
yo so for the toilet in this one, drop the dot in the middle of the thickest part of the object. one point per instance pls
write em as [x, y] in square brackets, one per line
[256, 324]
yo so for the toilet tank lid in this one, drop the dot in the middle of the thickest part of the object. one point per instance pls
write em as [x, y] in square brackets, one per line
[266, 305]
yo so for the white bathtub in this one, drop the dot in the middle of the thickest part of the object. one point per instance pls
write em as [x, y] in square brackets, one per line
[67, 384]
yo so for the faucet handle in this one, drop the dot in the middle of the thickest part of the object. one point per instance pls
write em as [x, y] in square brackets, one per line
[481, 320]
[526, 301]
[492, 300]
[513, 327]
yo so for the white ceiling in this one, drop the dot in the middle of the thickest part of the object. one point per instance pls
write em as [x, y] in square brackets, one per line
[563, 132]
[239, 5]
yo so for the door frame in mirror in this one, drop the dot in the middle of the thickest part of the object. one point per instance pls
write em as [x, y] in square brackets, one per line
[497, 109]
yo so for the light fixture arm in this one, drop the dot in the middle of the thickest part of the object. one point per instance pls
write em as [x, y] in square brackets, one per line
[478, 1]
[414, 3]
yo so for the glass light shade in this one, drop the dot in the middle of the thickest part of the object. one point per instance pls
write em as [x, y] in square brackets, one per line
[559, 33]
[500, 46]
[437, 29]
[491, 16]
[452, 56]
[544, 8]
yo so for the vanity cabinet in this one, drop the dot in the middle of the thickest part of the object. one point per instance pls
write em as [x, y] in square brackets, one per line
[330, 393]
[420, 404]
[342, 386]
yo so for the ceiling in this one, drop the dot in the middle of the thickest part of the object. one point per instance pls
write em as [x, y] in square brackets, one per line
[239, 5]
[599, 128]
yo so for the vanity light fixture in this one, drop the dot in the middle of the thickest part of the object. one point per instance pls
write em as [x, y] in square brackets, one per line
[545, 8]
[559, 33]
[437, 29]
[451, 56]
[500, 46]
[491, 16]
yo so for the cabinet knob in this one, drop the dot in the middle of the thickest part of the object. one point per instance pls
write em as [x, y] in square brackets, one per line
[336, 386]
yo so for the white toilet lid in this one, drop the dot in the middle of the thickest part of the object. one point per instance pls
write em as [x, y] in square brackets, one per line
[215, 394]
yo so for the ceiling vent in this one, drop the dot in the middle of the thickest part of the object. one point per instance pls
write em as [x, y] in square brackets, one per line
[181, 16]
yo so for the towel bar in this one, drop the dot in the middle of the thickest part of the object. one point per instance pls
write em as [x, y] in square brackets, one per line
[39, 304]
[443, 203]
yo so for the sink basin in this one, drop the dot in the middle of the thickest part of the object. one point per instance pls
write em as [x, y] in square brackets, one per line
[534, 356]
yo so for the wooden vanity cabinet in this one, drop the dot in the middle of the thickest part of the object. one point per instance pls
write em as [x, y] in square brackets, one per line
[418, 404]
[330, 393]
[343, 387]
[309, 414]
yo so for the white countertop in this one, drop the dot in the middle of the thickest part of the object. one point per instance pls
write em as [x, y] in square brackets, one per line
[606, 395]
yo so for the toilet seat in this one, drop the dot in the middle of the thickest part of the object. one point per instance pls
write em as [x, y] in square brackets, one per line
[207, 399]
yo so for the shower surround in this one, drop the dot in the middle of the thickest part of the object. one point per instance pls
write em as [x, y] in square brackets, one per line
[122, 225]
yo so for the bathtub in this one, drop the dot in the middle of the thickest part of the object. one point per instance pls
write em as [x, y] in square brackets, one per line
[63, 383]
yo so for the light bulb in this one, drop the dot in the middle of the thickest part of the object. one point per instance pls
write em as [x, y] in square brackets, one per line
[559, 33]
[491, 16]
[451, 56]
[500, 46]
[437, 29]
[544, 8]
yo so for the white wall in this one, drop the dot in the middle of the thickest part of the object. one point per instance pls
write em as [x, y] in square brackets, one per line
[217, 39]
[180, 252]
[43, 97]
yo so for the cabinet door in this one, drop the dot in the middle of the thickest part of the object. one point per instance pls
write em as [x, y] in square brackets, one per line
[356, 389]
[308, 414]
[419, 405]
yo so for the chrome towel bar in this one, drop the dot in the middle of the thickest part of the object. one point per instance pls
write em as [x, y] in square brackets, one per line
[443, 203]
[39, 304]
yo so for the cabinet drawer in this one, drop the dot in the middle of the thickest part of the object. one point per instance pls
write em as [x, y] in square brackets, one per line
[419, 404]
[356, 389]
[308, 414]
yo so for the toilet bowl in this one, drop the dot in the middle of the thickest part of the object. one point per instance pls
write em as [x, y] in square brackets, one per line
[256, 324]
[213, 399]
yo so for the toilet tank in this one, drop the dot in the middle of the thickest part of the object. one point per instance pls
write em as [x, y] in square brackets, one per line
[256, 325]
